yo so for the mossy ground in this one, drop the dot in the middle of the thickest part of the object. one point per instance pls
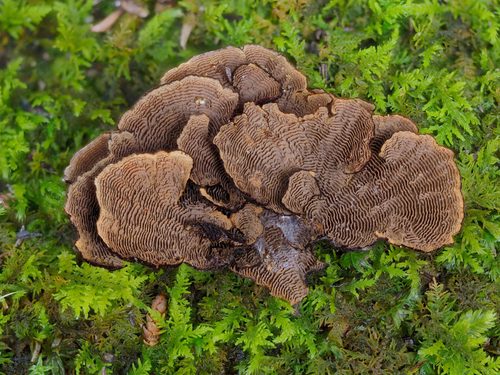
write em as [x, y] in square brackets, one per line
[385, 311]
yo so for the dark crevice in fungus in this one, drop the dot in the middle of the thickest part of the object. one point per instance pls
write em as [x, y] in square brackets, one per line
[233, 162]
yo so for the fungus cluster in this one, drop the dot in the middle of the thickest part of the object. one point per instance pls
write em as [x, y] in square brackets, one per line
[232, 162]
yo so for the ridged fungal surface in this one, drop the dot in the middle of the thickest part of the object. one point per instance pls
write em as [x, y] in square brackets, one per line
[233, 162]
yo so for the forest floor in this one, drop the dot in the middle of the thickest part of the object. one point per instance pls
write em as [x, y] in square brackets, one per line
[389, 310]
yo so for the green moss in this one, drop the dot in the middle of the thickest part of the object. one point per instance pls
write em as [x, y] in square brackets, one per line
[373, 312]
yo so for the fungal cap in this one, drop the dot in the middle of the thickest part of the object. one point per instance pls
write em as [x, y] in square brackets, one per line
[439, 210]
[140, 217]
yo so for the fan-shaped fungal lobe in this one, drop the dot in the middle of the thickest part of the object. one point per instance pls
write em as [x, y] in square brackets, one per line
[232, 161]
[81, 201]
[194, 140]
[208, 171]
[301, 188]
[255, 85]
[215, 65]
[247, 220]
[430, 210]
[277, 66]
[397, 199]
[386, 126]
[266, 152]
[159, 117]
[264, 147]
[140, 218]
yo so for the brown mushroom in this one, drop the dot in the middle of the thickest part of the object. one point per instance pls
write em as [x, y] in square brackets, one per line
[81, 201]
[356, 196]
[253, 84]
[386, 126]
[279, 258]
[208, 171]
[268, 76]
[301, 188]
[264, 147]
[154, 123]
[247, 220]
[211, 64]
[159, 117]
[232, 161]
[141, 220]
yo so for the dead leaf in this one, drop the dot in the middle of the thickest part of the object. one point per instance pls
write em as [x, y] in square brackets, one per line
[186, 30]
[109, 21]
[134, 8]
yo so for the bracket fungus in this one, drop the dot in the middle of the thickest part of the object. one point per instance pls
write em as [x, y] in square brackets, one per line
[233, 162]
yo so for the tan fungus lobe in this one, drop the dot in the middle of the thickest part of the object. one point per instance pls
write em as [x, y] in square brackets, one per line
[247, 220]
[295, 98]
[433, 202]
[254, 158]
[301, 188]
[211, 65]
[140, 218]
[386, 126]
[82, 205]
[159, 117]
[254, 184]
[153, 126]
[258, 63]
[208, 170]
[278, 67]
[253, 84]
[263, 148]
[409, 194]
[194, 141]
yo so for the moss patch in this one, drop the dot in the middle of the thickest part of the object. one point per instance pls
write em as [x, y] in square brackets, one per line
[386, 311]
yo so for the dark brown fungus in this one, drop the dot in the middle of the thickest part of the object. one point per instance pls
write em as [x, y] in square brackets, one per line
[301, 188]
[233, 161]
[208, 170]
[140, 218]
[280, 258]
[255, 85]
[247, 220]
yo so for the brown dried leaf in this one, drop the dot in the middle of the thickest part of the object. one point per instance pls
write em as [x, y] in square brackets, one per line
[108, 22]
